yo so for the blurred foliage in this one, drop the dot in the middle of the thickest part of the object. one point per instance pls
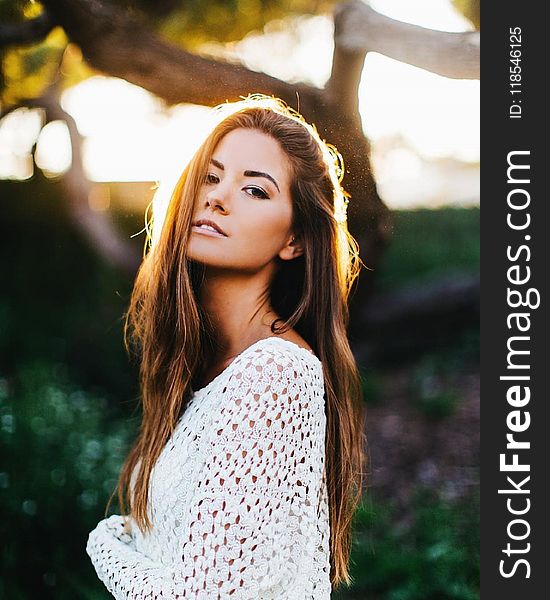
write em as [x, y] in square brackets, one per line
[371, 385]
[68, 399]
[13, 11]
[197, 22]
[61, 453]
[433, 556]
[427, 244]
[432, 401]
[28, 71]
[429, 388]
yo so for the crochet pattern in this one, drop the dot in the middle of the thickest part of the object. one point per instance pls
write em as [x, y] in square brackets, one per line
[238, 496]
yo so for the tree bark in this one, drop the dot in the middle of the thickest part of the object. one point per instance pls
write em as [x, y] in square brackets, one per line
[362, 29]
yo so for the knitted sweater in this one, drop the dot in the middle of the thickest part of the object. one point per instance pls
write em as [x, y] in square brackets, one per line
[238, 497]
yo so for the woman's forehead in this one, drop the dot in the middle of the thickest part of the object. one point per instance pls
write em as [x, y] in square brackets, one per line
[251, 149]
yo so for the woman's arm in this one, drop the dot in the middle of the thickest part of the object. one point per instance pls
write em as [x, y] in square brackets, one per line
[253, 517]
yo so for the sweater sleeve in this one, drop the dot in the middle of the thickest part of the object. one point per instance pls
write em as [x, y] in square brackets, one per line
[253, 515]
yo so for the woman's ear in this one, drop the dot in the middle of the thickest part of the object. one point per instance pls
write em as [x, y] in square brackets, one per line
[292, 249]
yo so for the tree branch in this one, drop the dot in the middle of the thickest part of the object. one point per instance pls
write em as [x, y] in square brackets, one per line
[347, 66]
[362, 29]
[97, 227]
[417, 317]
[26, 32]
[121, 45]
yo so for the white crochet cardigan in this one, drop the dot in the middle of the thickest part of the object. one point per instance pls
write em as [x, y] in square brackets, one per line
[238, 497]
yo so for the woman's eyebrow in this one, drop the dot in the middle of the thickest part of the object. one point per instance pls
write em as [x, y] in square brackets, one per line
[260, 174]
[220, 166]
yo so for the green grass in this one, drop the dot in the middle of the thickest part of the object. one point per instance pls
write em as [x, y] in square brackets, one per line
[430, 243]
[434, 557]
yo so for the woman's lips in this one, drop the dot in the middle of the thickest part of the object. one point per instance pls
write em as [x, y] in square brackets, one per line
[207, 232]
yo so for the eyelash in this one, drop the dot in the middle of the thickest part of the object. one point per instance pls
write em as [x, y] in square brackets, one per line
[264, 194]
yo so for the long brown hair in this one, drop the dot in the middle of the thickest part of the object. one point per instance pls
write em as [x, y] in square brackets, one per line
[167, 328]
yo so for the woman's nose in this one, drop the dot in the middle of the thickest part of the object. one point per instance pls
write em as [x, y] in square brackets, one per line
[215, 203]
[217, 198]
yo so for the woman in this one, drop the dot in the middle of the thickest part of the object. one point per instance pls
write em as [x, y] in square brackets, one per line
[248, 465]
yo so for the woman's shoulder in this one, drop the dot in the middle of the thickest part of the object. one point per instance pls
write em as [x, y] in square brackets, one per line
[268, 352]
[276, 362]
[270, 378]
[275, 373]
[275, 348]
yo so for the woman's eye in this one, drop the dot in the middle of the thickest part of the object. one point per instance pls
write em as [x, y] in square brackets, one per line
[211, 178]
[257, 192]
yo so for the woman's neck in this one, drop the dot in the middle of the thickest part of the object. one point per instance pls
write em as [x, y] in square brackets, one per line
[239, 310]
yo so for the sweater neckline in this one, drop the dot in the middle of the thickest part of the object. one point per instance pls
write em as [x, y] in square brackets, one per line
[220, 375]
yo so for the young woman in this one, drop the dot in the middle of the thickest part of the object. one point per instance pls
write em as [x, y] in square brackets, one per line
[248, 466]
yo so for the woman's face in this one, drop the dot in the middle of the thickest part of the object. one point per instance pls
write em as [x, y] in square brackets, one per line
[246, 194]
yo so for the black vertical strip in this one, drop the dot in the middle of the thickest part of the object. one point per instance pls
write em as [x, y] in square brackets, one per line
[515, 422]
